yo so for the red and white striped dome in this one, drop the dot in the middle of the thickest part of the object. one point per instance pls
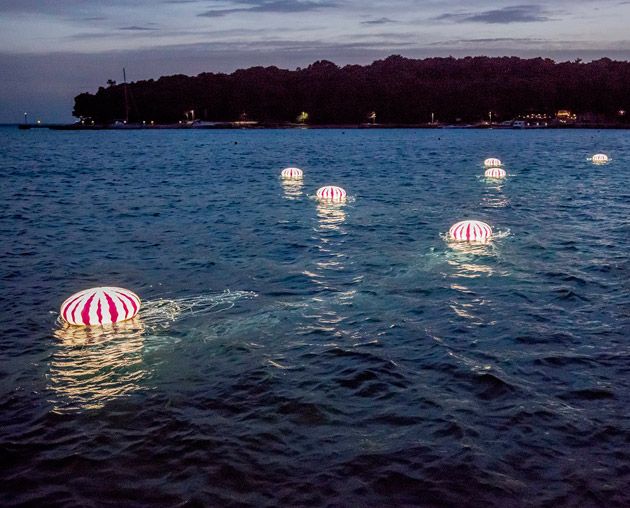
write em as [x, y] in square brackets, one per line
[470, 231]
[100, 306]
[292, 174]
[331, 193]
[599, 158]
[495, 173]
[491, 162]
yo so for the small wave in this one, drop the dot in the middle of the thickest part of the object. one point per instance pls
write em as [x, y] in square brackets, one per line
[154, 315]
[565, 293]
[160, 313]
[587, 394]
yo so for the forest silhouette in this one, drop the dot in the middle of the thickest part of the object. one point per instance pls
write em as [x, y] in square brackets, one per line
[398, 90]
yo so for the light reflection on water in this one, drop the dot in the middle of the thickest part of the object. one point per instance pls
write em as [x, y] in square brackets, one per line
[493, 195]
[93, 365]
[292, 189]
[330, 217]
[331, 271]
[467, 262]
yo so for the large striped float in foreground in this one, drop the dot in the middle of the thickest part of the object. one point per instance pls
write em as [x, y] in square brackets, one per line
[100, 306]
[292, 174]
[331, 193]
[492, 162]
[599, 158]
[495, 173]
[470, 231]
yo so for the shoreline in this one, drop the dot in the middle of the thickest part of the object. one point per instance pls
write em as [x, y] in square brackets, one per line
[270, 126]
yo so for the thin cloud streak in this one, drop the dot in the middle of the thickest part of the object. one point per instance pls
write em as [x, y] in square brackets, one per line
[273, 6]
[380, 21]
[514, 14]
[135, 28]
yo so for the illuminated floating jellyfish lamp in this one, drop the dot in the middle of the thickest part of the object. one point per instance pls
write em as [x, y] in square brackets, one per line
[331, 194]
[100, 306]
[492, 163]
[495, 173]
[599, 158]
[470, 231]
[292, 174]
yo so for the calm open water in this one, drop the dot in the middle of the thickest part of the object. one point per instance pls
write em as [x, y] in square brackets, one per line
[290, 354]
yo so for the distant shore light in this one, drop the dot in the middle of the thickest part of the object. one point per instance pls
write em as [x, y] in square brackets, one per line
[470, 231]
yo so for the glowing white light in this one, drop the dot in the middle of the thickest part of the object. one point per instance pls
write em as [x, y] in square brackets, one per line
[491, 162]
[292, 174]
[331, 193]
[470, 231]
[495, 173]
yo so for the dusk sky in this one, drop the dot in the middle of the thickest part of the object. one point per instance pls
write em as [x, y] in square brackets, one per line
[52, 50]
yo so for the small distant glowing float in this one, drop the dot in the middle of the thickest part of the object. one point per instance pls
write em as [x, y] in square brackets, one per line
[100, 306]
[470, 231]
[599, 158]
[492, 162]
[331, 194]
[495, 173]
[292, 174]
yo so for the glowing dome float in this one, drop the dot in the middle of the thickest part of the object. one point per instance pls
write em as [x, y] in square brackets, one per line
[100, 306]
[495, 173]
[292, 174]
[599, 158]
[331, 194]
[470, 231]
[492, 162]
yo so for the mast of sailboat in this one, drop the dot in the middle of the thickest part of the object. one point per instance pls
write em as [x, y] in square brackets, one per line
[126, 96]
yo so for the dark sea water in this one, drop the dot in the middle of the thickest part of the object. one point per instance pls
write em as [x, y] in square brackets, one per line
[290, 354]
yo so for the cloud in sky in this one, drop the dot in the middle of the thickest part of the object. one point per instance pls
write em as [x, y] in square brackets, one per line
[136, 28]
[276, 6]
[379, 21]
[513, 14]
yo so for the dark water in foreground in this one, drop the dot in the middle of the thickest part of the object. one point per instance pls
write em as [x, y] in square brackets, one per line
[291, 354]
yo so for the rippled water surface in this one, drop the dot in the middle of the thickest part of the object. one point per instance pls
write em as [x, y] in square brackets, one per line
[293, 354]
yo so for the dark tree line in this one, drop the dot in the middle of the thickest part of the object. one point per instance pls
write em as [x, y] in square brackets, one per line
[399, 90]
